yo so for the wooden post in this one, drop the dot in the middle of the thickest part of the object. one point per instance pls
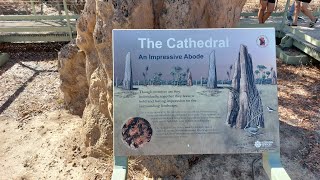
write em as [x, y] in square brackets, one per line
[201, 81]
[59, 7]
[120, 168]
[4, 57]
[273, 166]
[68, 18]
[41, 5]
[283, 22]
[33, 7]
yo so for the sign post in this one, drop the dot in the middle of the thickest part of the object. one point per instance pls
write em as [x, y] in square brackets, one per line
[161, 109]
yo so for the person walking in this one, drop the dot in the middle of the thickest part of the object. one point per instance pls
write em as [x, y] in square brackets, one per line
[303, 5]
[265, 10]
[291, 13]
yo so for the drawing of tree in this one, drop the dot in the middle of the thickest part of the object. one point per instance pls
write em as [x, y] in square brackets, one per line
[261, 68]
[144, 74]
[182, 77]
[228, 74]
[157, 78]
[257, 72]
[268, 74]
[177, 75]
[173, 74]
[144, 77]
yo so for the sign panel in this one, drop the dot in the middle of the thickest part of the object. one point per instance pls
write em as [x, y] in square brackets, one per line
[201, 91]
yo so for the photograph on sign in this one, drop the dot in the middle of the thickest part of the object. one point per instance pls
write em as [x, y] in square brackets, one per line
[204, 91]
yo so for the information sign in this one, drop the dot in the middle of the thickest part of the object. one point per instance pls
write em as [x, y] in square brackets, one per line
[203, 91]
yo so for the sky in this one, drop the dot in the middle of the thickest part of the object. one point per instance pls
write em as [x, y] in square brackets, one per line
[125, 41]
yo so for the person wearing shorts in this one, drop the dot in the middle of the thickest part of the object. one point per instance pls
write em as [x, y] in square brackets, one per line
[302, 5]
[265, 10]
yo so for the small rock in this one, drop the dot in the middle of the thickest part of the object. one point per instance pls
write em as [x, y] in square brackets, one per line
[25, 165]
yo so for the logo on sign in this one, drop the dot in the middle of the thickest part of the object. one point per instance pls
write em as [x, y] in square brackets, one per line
[257, 144]
[262, 41]
[263, 144]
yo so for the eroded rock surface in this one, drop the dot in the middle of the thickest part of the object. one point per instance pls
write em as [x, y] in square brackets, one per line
[72, 65]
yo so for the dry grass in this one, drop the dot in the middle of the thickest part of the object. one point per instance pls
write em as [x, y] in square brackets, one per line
[299, 99]
[299, 102]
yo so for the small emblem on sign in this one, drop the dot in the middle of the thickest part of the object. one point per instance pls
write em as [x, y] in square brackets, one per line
[257, 144]
[263, 144]
[262, 41]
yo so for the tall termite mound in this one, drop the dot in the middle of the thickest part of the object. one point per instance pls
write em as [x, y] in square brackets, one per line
[212, 74]
[94, 34]
[245, 108]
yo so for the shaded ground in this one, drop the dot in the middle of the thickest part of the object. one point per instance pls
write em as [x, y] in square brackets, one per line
[40, 140]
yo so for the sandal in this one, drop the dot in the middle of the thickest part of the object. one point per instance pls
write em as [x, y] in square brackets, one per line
[311, 25]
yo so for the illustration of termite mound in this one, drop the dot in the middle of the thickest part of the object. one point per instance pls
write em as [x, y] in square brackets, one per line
[136, 132]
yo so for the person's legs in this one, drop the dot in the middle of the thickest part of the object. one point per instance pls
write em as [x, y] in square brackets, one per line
[296, 12]
[291, 10]
[262, 9]
[270, 8]
[306, 11]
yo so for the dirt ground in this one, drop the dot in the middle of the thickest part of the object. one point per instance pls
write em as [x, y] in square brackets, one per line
[40, 140]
